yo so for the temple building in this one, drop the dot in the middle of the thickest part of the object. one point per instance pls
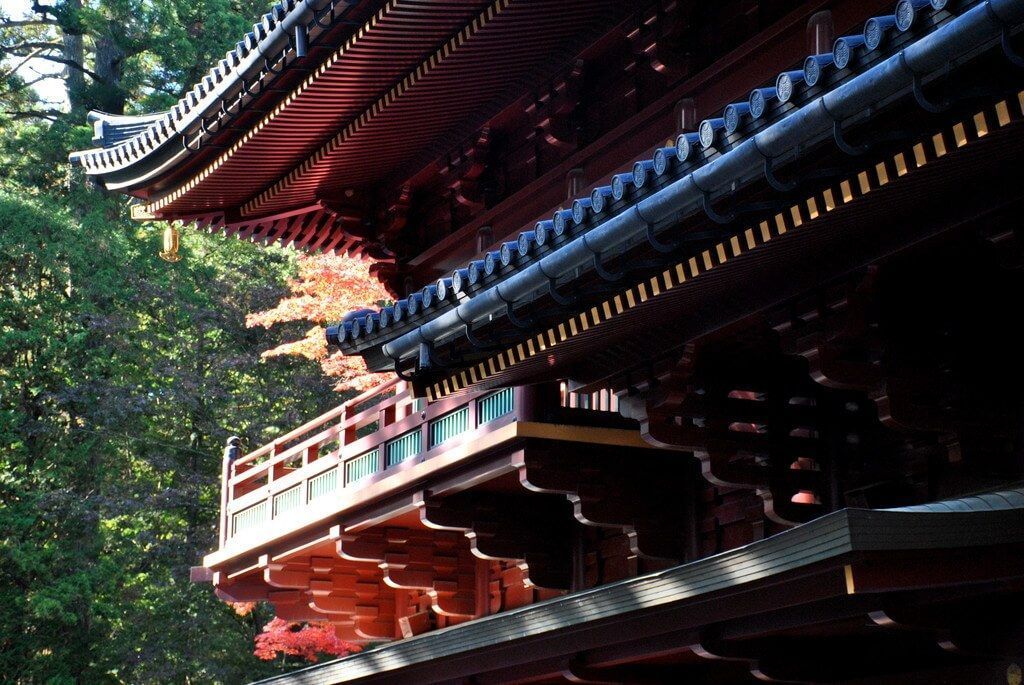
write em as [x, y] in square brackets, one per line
[701, 335]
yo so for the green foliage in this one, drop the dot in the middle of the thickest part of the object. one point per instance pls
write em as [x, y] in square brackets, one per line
[138, 55]
[121, 376]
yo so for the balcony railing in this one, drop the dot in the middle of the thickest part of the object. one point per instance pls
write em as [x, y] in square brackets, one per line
[599, 400]
[344, 447]
[360, 442]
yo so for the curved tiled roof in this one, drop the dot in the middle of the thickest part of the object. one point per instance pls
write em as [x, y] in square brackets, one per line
[262, 52]
[380, 100]
[110, 130]
[370, 111]
[738, 121]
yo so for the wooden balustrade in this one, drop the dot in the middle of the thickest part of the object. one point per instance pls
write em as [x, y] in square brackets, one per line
[362, 440]
[599, 400]
[249, 480]
[353, 440]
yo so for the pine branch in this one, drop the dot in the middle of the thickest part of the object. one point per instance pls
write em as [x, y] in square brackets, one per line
[41, 9]
[73, 64]
[25, 60]
[16, 23]
[50, 114]
[162, 88]
[31, 45]
[29, 84]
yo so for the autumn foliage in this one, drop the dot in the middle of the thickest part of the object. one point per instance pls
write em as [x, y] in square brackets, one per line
[327, 287]
[242, 608]
[305, 640]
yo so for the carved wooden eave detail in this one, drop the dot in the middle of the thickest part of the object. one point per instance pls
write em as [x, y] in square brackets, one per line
[553, 110]
[536, 532]
[439, 563]
[755, 419]
[464, 172]
[396, 217]
[660, 39]
[353, 222]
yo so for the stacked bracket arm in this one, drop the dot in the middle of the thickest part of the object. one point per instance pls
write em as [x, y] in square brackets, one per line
[535, 530]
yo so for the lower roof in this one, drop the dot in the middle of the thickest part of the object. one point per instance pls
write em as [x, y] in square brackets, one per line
[841, 552]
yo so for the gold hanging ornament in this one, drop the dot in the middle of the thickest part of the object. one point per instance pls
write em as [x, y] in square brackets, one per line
[171, 240]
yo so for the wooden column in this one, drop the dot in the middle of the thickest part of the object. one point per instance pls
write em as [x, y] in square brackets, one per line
[483, 588]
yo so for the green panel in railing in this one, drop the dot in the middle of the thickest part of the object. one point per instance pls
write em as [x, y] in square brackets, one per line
[495, 405]
[402, 448]
[361, 466]
[325, 483]
[448, 426]
[288, 500]
[250, 518]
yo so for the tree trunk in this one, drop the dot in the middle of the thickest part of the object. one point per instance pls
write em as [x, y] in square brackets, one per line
[109, 66]
[74, 79]
[74, 50]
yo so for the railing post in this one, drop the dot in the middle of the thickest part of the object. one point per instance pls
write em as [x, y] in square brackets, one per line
[523, 402]
[278, 447]
[348, 433]
[401, 405]
[471, 419]
[538, 402]
[231, 453]
[387, 416]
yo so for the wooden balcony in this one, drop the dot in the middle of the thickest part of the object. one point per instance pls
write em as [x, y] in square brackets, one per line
[389, 517]
[367, 446]
[386, 510]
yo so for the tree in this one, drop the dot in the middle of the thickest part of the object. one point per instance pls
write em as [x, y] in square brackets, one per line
[118, 54]
[327, 287]
[308, 641]
[120, 379]
[120, 375]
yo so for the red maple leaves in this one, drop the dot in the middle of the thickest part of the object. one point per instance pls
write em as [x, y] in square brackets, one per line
[308, 641]
[327, 288]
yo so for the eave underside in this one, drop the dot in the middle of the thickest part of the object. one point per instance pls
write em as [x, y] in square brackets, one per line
[400, 119]
[793, 186]
[881, 205]
[212, 115]
[804, 605]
